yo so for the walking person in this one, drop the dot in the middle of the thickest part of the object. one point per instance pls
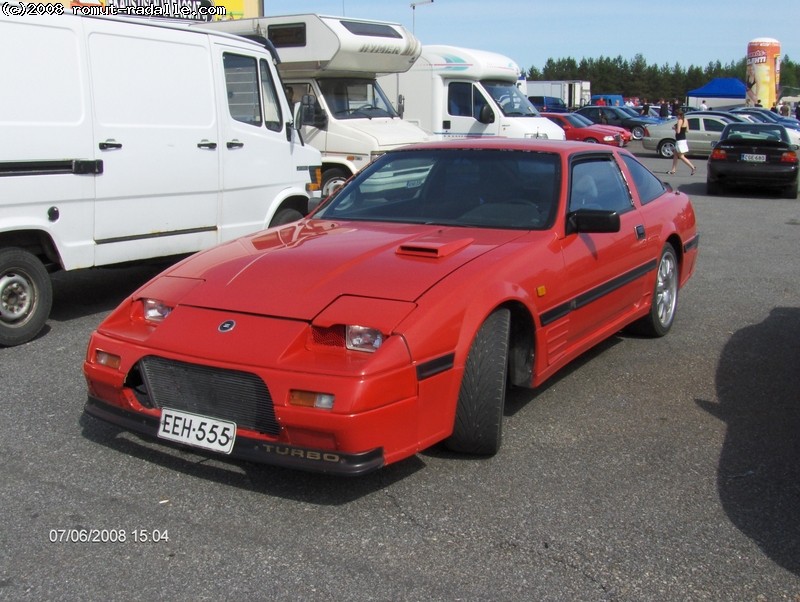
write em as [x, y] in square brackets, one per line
[681, 145]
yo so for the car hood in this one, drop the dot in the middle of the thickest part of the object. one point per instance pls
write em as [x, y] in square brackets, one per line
[297, 270]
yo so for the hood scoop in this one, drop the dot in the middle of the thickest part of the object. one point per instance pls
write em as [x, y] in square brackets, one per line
[433, 247]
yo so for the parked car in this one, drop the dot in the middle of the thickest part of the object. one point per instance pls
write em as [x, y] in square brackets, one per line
[740, 117]
[549, 104]
[767, 116]
[395, 315]
[754, 154]
[617, 116]
[704, 132]
[577, 127]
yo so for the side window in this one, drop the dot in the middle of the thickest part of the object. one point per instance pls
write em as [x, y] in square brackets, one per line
[241, 81]
[694, 124]
[272, 106]
[459, 99]
[712, 125]
[598, 184]
[649, 186]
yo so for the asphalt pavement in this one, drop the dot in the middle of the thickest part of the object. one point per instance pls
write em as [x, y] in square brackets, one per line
[648, 470]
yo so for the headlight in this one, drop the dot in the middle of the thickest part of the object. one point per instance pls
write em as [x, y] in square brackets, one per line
[608, 138]
[155, 310]
[363, 338]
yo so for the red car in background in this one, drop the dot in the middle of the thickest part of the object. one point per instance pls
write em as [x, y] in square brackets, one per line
[579, 128]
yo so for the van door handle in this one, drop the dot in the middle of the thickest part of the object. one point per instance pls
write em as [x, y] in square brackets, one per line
[235, 144]
[110, 144]
[207, 144]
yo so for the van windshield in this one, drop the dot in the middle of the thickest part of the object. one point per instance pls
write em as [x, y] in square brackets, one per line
[351, 98]
[511, 101]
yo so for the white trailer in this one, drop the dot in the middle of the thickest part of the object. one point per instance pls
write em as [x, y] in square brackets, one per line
[127, 139]
[453, 92]
[574, 93]
[330, 65]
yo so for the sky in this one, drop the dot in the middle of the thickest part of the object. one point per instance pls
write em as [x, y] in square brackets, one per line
[665, 32]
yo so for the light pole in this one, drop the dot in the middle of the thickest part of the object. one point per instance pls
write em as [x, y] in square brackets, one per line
[414, 13]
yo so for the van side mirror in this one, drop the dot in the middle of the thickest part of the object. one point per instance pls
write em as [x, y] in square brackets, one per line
[311, 113]
[486, 115]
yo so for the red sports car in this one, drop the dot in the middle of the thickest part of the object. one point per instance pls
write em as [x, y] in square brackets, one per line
[579, 128]
[395, 315]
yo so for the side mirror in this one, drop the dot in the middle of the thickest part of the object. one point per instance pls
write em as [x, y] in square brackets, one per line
[486, 115]
[311, 113]
[401, 105]
[592, 220]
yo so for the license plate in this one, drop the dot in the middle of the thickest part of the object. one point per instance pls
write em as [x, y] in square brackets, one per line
[197, 431]
[754, 158]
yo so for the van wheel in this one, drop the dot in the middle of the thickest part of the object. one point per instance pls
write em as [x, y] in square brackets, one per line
[285, 216]
[478, 425]
[26, 296]
[331, 180]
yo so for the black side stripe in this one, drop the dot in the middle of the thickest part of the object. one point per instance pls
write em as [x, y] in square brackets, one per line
[597, 293]
[105, 241]
[42, 168]
[692, 244]
[437, 366]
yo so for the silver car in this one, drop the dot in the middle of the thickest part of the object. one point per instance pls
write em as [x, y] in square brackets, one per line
[704, 132]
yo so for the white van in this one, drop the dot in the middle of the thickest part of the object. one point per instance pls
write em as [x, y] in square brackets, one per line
[453, 92]
[334, 61]
[127, 139]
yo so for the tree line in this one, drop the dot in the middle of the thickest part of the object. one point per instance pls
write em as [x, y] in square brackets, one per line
[636, 77]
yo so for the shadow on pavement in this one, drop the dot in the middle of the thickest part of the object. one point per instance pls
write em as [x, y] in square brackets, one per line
[758, 387]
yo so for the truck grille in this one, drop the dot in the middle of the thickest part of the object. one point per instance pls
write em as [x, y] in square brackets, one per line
[226, 394]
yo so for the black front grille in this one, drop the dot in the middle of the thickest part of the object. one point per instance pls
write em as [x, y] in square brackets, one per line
[226, 394]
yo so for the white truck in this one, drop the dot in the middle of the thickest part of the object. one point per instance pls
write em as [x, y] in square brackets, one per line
[329, 65]
[573, 93]
[453, 92]
[126, 139]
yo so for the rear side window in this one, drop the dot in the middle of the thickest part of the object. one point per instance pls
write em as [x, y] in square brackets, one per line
[649, 186]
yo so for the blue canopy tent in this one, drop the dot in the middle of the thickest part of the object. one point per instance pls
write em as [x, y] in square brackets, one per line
[727, 88]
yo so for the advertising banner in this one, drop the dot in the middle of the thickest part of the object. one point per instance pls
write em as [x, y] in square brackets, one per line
[763, 71]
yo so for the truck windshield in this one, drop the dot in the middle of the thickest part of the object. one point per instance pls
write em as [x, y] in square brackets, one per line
[350, 98]
[511, 101]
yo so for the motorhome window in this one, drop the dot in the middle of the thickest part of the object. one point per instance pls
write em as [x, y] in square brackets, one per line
[375, 30]
[272, 106]
[289, 35]
[510, 99]
[241, 80]
[351, 98]
[464, 100]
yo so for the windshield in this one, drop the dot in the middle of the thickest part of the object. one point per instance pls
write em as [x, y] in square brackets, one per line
[351, 98]
[579, 121]
[511, 101]
[454, 187]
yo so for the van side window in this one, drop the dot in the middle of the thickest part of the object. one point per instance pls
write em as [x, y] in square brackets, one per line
[459, 99]
[272, 107]
[241, 81]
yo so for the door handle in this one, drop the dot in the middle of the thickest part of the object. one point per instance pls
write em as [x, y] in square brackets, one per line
[234, 144]
[110, 144]
[207, 144]
[640, 232]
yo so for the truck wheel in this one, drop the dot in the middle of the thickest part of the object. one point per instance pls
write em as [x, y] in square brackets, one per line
[332, 179]
[478, 425]
[26, 296]
[285, 216]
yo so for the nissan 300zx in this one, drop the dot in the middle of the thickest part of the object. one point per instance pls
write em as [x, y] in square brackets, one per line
[397, 314]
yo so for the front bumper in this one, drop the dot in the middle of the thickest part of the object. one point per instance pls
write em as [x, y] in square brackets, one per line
[252, 449]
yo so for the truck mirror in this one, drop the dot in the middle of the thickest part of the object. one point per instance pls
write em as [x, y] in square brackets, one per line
[401, 105]
[486, 115]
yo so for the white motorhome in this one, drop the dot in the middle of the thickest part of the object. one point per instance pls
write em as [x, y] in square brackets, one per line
[127, 139]
[453, 92]
[330, 64]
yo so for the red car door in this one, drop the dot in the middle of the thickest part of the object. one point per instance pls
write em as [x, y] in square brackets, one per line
[606, 273]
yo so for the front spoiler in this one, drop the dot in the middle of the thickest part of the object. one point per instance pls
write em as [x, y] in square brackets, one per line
[251, 449]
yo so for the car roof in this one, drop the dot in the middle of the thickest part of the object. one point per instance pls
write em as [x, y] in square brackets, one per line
[563, 147]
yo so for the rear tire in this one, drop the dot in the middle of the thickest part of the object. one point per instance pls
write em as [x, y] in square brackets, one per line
[664, 303]
[790, 192]
[713, 188]
[478, 425]
[637, 132]
[26, 296]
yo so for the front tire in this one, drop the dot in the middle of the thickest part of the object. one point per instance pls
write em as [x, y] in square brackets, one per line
[26, 296]
[666, 148]
[664, 302]
[332, 179]
[637, 132]
[285, 216]
[478, 425]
